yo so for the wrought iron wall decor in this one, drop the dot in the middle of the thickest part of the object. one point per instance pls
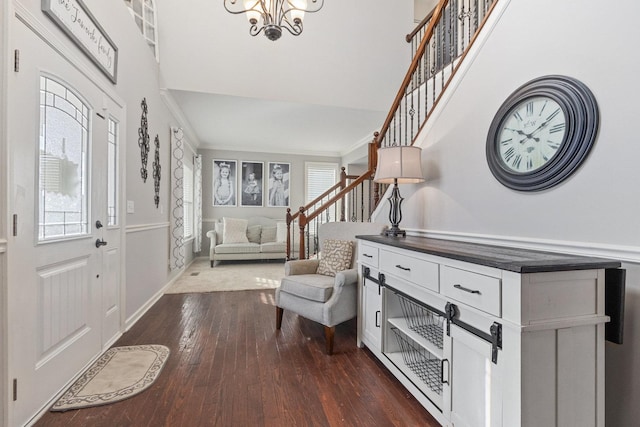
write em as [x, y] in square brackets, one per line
[143, 140]
[156, 172]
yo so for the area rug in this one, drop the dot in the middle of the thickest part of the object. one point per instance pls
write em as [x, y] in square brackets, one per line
[228, 276]
[120, 373]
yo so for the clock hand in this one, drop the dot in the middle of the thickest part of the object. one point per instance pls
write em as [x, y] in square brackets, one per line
[539, 128]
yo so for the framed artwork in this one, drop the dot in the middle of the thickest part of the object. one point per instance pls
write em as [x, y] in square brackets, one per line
[278, 192]
[224, 182]
[251, 188]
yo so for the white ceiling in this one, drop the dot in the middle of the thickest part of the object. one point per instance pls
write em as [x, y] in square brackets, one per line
[324, 92]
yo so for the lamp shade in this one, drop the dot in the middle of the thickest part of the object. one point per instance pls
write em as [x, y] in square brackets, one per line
[401, 163]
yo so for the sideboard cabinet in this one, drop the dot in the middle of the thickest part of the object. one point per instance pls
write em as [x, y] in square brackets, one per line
[484, 335]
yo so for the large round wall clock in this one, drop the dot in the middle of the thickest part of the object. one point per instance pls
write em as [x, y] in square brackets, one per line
[542, 133]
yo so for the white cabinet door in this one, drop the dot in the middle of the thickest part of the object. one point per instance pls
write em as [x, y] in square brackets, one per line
[372, 313]
[476, 382]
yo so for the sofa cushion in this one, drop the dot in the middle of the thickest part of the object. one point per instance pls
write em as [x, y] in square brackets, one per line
[238, 248]
[268, 234]
[336, 256]
[235, 230]
[273, 247]
[281, 232]
[254, 233]
[314, 287]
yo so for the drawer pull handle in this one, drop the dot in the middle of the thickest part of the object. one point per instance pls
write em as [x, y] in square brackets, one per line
[367, 255]
[403, 268]
[462, 288]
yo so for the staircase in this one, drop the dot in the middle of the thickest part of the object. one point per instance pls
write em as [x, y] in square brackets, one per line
[439, 45]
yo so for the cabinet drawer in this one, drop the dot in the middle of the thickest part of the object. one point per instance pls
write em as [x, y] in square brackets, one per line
[368, 254]
[476, 290]
[422, 273]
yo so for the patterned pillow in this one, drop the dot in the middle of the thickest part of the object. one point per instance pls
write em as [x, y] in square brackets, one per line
[268, 235]
[253, 233]
[235, 230]
[336, 257]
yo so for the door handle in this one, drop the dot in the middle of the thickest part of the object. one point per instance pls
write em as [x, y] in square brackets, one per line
[98, 224]
[100, 242]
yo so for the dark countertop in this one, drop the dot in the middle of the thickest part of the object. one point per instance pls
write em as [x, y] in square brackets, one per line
[504, 258]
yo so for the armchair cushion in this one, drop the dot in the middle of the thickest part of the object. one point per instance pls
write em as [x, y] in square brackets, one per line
[314, 287]
[336, 256]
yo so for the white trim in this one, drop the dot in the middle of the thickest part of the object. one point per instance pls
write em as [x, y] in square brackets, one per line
[191, 136]
[144, 308]
[600, 250]
[262, 149]
[146, 227]
[151, 302]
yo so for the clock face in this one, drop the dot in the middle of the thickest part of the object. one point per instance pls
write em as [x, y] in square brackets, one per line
[531, 134]
[542, 133]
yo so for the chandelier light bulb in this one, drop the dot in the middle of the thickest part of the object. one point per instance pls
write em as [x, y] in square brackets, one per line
[272, 16]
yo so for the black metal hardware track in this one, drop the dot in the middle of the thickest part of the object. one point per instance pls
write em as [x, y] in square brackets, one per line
[494, 337]
[410, 298]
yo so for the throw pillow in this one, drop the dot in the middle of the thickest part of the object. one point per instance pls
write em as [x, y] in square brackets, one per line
[281, 232]
[253, 233]
[235, 230]
[336, 256]
[268, 235]
[219, 232]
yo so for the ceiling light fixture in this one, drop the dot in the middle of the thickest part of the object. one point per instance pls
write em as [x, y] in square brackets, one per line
[271, 16]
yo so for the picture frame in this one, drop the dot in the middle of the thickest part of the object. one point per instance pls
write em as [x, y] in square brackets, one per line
[224, 183]
[278, 189]
[76, 21]
[251, 188]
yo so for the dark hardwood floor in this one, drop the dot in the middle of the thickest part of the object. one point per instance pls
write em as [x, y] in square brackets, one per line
[230, 367]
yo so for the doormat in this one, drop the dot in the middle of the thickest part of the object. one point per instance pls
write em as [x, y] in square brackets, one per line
[120, 373]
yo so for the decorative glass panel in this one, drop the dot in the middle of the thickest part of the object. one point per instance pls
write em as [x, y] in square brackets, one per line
[112, 174]
[63, 180]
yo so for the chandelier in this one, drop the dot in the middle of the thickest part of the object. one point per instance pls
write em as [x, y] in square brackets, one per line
[271, 16]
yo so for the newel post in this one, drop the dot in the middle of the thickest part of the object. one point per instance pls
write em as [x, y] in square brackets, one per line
[343, 185]
[289, 220]
[302, 222]
[373, 164]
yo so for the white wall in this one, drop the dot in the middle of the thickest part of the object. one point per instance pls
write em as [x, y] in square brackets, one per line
[596, 210]
[340, 64]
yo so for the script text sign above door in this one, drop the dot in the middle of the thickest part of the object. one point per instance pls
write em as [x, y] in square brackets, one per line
[75, 19]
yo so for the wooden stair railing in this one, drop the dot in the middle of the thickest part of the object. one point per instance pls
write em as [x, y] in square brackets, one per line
[445, 37]
[450, 32]
[357, 190]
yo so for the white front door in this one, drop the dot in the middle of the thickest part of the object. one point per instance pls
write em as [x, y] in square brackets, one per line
[64, 304]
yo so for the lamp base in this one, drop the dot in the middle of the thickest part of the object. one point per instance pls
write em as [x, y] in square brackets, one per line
[394, 232]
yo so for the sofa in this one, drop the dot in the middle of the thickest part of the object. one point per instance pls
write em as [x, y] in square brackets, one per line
[254, 238]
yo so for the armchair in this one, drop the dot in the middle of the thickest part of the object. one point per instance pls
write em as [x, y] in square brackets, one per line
[328, 300]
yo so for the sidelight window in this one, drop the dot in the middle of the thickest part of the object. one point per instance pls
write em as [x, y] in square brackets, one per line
[112, 173]
[63, 161]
